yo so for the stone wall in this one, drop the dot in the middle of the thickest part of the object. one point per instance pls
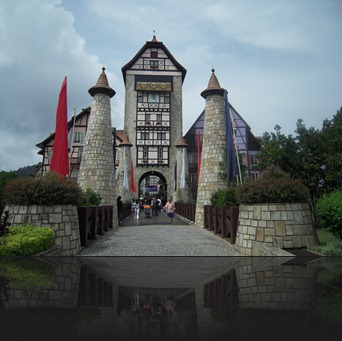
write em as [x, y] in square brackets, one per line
[63, 219]
[276, 226]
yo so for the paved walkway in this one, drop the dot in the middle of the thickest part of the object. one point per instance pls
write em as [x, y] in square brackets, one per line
[156, 236]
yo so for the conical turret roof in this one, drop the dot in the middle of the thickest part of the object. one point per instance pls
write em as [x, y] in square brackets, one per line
[213, 86]
[125, 141]
[181, 142]
[102, 86]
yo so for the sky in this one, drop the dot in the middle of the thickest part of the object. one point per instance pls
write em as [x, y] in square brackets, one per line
[280, 60]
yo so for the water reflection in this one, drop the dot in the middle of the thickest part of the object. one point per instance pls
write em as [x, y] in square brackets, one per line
[127, 298]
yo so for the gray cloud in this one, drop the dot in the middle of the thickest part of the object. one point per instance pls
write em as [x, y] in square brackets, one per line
[279, 60]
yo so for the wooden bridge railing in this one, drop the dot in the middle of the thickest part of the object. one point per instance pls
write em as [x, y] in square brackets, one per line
[220, 220]
[186, 210]
[93, 221]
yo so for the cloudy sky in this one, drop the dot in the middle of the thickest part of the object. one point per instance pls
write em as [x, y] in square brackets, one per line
[280, 60]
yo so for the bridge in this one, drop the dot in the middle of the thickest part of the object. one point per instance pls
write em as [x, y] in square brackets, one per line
[156, 236]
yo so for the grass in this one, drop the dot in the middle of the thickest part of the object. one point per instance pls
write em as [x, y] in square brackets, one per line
[325, 236]
[329, 244]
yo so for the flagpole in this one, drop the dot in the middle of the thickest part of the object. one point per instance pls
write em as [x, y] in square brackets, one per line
[182, 180]
[125, 179]
[235, 146]
[72, 141]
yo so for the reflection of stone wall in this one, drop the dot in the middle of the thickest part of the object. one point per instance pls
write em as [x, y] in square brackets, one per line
[63, 219]
[62, 293]
[288, 287]
[279, 226]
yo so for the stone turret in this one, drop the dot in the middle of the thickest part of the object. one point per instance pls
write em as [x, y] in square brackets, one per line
[213, 148]
[182, 192]
[97, 165]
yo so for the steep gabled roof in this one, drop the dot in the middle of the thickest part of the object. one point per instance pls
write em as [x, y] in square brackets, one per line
[154, 43]
[85, 111]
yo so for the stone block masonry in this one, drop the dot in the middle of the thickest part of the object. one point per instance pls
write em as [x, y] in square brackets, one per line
[63, 219]
[265, 228]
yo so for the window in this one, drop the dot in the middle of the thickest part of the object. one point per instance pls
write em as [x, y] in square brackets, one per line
[160, 153]
[161, 135]
[145, 135]
[148, 117]
[254, 160]
[80, 152]
[78, 137]
[49, 153]
[167, 98]
[159, 117]
[154, 64]
[255, 176]
[145, 152]
[153, 97]
[140, 97]
[192, 178]
[154, 54]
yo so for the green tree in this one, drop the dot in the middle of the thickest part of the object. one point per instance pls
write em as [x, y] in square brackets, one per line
[4, 178]
[279, 150]
[311, 153]
[332, 141]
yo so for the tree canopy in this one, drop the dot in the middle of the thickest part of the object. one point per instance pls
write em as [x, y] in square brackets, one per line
[312, 155]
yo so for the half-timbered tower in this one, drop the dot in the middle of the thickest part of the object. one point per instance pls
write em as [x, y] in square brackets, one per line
[153, 114]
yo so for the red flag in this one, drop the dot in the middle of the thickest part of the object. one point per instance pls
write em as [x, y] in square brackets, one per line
[59, 161]
[198, 154]
[133, 187]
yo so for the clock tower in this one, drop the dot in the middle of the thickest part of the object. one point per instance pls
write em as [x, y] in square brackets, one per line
[153, 114]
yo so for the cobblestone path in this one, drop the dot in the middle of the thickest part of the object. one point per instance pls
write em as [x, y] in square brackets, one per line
[156, 236]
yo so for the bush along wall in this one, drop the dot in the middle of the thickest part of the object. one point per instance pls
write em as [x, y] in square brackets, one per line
[47, 201]
[63, 219]
[274, 214]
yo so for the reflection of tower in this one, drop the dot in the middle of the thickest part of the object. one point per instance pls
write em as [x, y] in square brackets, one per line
[213, 148]
[97, 165]
[153, 110]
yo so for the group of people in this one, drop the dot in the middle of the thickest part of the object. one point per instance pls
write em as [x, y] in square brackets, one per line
[153, 207]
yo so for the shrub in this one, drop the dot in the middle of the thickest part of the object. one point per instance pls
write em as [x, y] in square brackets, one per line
[49, 189]
[224, 197]
[91, 198]
[274, 172]
[329, 210]
[273, 186]
[26, 240]
[4, 224]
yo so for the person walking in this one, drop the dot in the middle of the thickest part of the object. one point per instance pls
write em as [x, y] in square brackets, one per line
[135, 209]
[119, 206]
[170, 209]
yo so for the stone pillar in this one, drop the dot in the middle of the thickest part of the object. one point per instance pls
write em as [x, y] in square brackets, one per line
[213, 149]
[97, 164]
[182, 193]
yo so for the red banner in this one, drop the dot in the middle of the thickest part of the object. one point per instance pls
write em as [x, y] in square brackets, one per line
[133, 187]
[60, 160]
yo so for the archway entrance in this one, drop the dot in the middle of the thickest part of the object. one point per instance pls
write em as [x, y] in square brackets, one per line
[153, 184]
